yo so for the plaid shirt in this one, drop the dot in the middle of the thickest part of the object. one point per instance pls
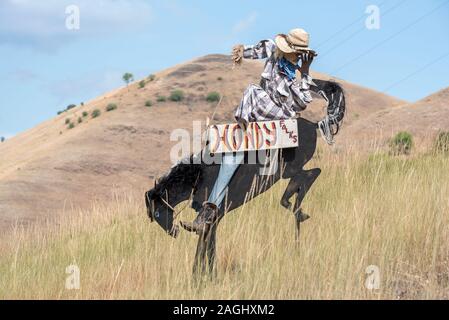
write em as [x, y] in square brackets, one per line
[276, 97]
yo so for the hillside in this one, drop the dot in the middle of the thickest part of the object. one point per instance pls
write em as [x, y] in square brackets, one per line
[424, 119]
[50, 169]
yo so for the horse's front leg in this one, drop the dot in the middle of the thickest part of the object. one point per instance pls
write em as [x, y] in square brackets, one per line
[291, 189]
[299, 184]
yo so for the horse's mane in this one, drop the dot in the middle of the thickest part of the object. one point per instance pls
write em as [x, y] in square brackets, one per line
[336, 107]
[336, 99]
[185, 173]
[328, 86]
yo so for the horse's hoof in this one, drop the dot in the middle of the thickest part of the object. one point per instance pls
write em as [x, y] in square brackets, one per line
[301, 216]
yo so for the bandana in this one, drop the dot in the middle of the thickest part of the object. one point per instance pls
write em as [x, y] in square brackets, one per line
[288, 68]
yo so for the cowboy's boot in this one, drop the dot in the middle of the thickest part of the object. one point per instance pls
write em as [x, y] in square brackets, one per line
[206, 216]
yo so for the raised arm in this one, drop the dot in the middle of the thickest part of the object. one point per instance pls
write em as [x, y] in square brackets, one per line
[301, 90]
[261, 50]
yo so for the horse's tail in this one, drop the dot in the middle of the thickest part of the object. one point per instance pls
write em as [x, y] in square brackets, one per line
[333, 93]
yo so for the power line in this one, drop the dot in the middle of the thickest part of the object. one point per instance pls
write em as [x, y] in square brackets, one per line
[345, 28]
[359, 31]
[416, 72]
[389, 38]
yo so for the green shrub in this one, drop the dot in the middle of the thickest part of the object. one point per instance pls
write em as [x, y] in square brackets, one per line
[2, 139]
[110, 107]
[213, 97]
[141, 84]
[441, 144]
[67, 120]
[59, 112]
[401, 143]
[82, 103]
[151, 77]
[96, 113]
[161, 99]
[71, 106]
[176, 95]
[71, 125]
[80, 119]
[219, 78]
[148, 103]
[85, 113]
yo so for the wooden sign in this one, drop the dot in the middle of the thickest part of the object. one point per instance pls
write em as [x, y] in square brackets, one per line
[260, 135]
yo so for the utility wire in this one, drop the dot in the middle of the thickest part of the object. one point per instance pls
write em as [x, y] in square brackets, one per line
[416, 72]
[359, 31]
[389, 38]
[345, 28]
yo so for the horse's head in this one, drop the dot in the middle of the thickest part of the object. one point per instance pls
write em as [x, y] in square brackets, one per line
[173, 188]
[159, 209]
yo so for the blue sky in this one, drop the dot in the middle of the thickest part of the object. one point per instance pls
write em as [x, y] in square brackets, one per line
[45, 66]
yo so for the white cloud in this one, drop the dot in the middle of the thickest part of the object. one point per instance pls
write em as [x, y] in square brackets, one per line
[43, 23]
[245, 23]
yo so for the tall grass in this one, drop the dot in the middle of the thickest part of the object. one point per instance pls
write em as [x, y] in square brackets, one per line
[390, 212]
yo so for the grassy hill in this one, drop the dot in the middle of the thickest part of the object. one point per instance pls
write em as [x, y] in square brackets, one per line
[424, 119]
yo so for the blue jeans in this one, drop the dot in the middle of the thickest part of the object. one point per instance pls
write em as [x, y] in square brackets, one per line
[228, 166]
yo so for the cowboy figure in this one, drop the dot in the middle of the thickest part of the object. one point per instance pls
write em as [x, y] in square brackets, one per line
[280, 96]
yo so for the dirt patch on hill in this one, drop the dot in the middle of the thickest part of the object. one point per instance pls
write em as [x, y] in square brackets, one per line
[187, 70]
[220, 58]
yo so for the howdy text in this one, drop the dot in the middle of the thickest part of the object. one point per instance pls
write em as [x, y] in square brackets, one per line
[232, 137]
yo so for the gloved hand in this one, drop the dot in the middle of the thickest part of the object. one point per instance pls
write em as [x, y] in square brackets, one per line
[243, 124]
[306, 61]
[237, 54]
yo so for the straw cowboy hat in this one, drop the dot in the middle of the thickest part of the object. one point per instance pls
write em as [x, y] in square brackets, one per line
[297, 40]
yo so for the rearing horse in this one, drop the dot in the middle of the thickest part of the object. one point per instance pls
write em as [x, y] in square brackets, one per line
[193, 180]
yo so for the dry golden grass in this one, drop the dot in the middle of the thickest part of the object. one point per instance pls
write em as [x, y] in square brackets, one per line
[391, 212]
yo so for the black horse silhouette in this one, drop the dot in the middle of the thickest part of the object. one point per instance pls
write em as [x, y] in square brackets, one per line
[190, 180]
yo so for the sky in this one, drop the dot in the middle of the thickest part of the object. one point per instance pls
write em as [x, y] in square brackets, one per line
[48, 60]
